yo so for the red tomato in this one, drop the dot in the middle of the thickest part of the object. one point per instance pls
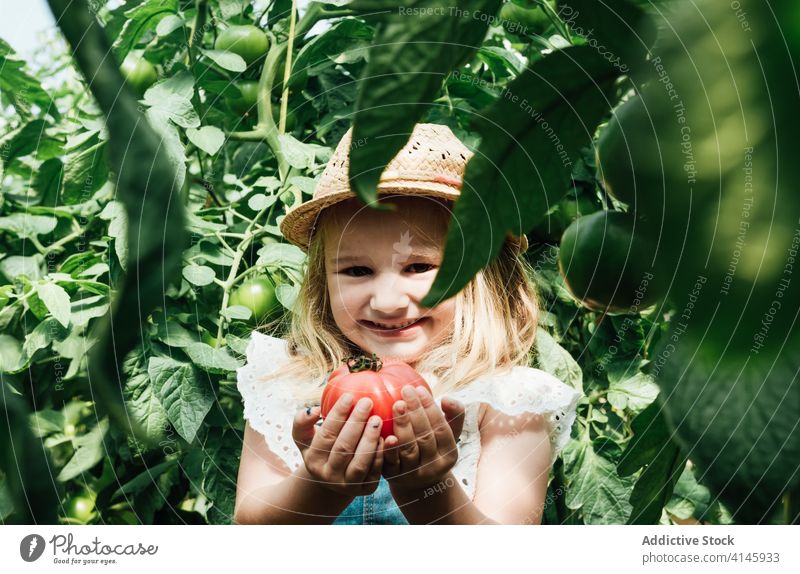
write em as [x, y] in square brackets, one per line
[364, 376]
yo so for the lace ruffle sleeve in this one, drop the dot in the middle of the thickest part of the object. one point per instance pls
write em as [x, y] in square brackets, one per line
[527, 389]
[269, 407]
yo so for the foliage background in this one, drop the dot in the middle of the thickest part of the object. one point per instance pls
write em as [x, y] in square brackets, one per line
[63, 251]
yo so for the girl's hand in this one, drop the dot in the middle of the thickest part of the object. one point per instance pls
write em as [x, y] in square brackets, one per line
[422, 449]
[342, 456]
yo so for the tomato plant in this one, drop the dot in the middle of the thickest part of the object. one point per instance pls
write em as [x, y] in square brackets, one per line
[364, 376]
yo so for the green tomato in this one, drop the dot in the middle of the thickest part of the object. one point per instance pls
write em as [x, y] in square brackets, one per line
[80, 507]
[258, 295]
[248, 41]
[138, 73]
[247, 101]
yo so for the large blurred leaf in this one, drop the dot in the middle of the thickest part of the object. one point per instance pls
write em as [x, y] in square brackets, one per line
[621, 30]
[530, 139]
[735, 414]
[408, 61]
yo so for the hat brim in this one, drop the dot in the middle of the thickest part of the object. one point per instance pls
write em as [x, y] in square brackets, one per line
[299, 222]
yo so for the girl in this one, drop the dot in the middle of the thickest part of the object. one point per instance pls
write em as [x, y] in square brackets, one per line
[480, 449]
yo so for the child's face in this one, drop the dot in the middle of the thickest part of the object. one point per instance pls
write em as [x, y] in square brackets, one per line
[392, 260]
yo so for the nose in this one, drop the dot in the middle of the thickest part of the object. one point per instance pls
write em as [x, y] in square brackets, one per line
[389, 295]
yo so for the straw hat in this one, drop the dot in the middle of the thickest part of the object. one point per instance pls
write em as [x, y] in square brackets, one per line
[431, 164]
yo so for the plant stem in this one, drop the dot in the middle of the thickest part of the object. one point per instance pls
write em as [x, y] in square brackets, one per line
[287, 70]
[562, 28]
[233, 275]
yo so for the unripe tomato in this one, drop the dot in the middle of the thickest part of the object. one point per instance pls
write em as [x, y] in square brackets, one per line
[248, 41]
[138, 72]
[246, 103]
[258, 295]
[80, 507]
[364, 376]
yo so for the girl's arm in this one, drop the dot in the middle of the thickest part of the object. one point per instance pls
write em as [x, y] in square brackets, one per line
[511, 479]
[511, 483]
[268, 493]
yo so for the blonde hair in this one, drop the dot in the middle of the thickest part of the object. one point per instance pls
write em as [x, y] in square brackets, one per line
[493, 330]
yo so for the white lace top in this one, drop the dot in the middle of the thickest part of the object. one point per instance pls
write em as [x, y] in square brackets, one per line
[270, 407]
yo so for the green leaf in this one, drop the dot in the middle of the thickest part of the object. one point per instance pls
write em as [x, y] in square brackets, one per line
[15, 266]
[650, 435]
[169, 24]
[114, 212]
[145, 406]
[302, 155]
[530, 138]
[594, 486]
[140, 19]
[172, 99]
[634, 393]
[207, 138]
[409, 59]
[173, 333]
[47, 182]
[281, 255]
[237, 312]
[85, 171]
[143, 480]
[11, 357]
[182, 393]
[199, 275]
[622, 29]
[88, 308]
[653, 488]
[57, 301]
[219, 467]
[90, 449]
[349, 36]
[259, 201]
[209, 252]
[735, 414]
[287, 294]
[19, 88]
[170, 140]
[556, 360]
[24, 225]
[48, 331]
[23, 141]
[689, 498]
[226, 60]
[212, 360]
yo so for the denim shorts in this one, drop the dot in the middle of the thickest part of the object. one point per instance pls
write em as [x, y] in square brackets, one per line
[376, 508]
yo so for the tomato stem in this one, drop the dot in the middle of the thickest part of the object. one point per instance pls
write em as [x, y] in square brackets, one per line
[358, 363]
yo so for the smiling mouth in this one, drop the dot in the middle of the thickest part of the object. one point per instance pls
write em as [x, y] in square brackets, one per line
[385, 328]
